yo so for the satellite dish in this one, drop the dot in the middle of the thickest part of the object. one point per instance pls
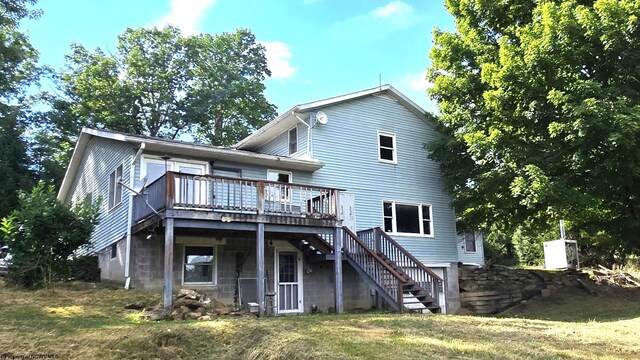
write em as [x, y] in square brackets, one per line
[140, 185]
[321, 117]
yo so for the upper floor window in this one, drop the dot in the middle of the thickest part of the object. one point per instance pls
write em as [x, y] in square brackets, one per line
[387, 147]
[470, 242]
[115, 187]
[293, 140]
[407, 219]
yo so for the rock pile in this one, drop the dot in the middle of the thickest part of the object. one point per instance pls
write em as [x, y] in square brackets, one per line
[189, 305]
[615, 277]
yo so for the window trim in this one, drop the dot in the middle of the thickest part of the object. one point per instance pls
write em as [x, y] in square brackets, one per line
[421, 219]
[297, 140]
[394, 149]
[280, 172]
[215, 264]
[475, 243]
[172, 164]
[115, 184]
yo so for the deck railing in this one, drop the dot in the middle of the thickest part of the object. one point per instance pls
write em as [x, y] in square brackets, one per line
[384, 244]
[389, 280]
[235, 195]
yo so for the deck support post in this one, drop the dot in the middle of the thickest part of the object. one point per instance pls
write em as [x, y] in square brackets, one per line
[337, 250]
[168, 264]
[260, 266]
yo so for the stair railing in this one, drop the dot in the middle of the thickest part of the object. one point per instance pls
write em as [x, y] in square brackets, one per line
[387, 279]
[412, 267]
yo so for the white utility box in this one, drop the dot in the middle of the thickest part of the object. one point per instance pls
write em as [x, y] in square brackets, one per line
[561, 254]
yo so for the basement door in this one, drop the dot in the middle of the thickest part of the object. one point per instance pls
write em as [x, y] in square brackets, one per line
[289, 282]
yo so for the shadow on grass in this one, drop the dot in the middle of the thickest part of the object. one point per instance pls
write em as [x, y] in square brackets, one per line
[610, 305]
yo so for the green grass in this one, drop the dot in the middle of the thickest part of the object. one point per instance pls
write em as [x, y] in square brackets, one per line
[86, 323]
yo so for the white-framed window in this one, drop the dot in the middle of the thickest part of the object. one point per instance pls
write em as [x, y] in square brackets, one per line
[115, 187]
[387, 147]
[278, 192]
[153, 168]
[293, 141]
[470, 242]
[199, 265]
[407, 218]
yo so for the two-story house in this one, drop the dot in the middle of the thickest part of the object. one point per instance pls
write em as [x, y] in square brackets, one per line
[333, 205]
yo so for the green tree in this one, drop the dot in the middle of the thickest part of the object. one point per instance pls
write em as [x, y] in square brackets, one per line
[541, 103]
[43, 233]
[160, 83]
[18, 70]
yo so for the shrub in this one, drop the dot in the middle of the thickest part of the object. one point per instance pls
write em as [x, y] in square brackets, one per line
[43, 233]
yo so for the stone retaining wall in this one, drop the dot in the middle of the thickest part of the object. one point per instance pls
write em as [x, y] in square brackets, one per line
[489, 291]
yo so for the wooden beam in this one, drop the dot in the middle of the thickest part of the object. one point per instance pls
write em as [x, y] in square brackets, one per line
[260, 265]
[168, 264]
[337, 246]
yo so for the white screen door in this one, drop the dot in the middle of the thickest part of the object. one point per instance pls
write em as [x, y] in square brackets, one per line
[289, 282]
[348, 210]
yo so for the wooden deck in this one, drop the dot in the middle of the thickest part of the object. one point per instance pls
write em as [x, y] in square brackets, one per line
[226, 200]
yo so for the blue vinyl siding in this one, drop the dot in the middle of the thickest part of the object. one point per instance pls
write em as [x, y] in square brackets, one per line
[348, 145]
[100, 159]
[280, 144]
[471, 257]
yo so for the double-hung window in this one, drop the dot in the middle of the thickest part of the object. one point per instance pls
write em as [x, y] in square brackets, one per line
[115, 187]
[293, 141]
[387, 147]
[199, 265]
[470, 242]
[407, 218]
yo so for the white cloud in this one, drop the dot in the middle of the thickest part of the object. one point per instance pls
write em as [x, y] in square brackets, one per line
[186, 15]
[394, 8]
[418, 81]
[377, 23]
[278, 59]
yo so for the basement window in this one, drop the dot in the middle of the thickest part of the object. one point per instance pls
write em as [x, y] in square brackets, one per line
[114, 251]
[407, 218]
[199, 265]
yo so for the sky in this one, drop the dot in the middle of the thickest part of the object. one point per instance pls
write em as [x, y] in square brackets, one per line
[315, 48]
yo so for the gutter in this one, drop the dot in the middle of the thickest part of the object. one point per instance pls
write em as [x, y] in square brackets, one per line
[132, 183]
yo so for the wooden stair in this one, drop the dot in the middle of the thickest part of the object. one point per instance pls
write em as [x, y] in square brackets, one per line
[392, 281]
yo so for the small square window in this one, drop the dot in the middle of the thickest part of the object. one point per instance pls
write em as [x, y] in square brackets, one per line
[114, 251]
[293, 141]
[387, 147]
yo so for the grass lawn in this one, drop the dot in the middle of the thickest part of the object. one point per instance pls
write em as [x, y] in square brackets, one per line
[82, 323]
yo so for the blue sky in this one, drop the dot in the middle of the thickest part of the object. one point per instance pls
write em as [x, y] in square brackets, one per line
[315, 48]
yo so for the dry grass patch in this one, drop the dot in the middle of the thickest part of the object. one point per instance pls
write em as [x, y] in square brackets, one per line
[81, 322]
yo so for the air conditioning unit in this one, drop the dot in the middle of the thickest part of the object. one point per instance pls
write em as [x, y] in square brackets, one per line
[561, 254]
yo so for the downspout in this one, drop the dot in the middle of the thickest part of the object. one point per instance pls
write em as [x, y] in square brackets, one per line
[132, 183]
[308, 155]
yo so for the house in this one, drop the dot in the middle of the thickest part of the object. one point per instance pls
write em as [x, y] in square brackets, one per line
[260, 222]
